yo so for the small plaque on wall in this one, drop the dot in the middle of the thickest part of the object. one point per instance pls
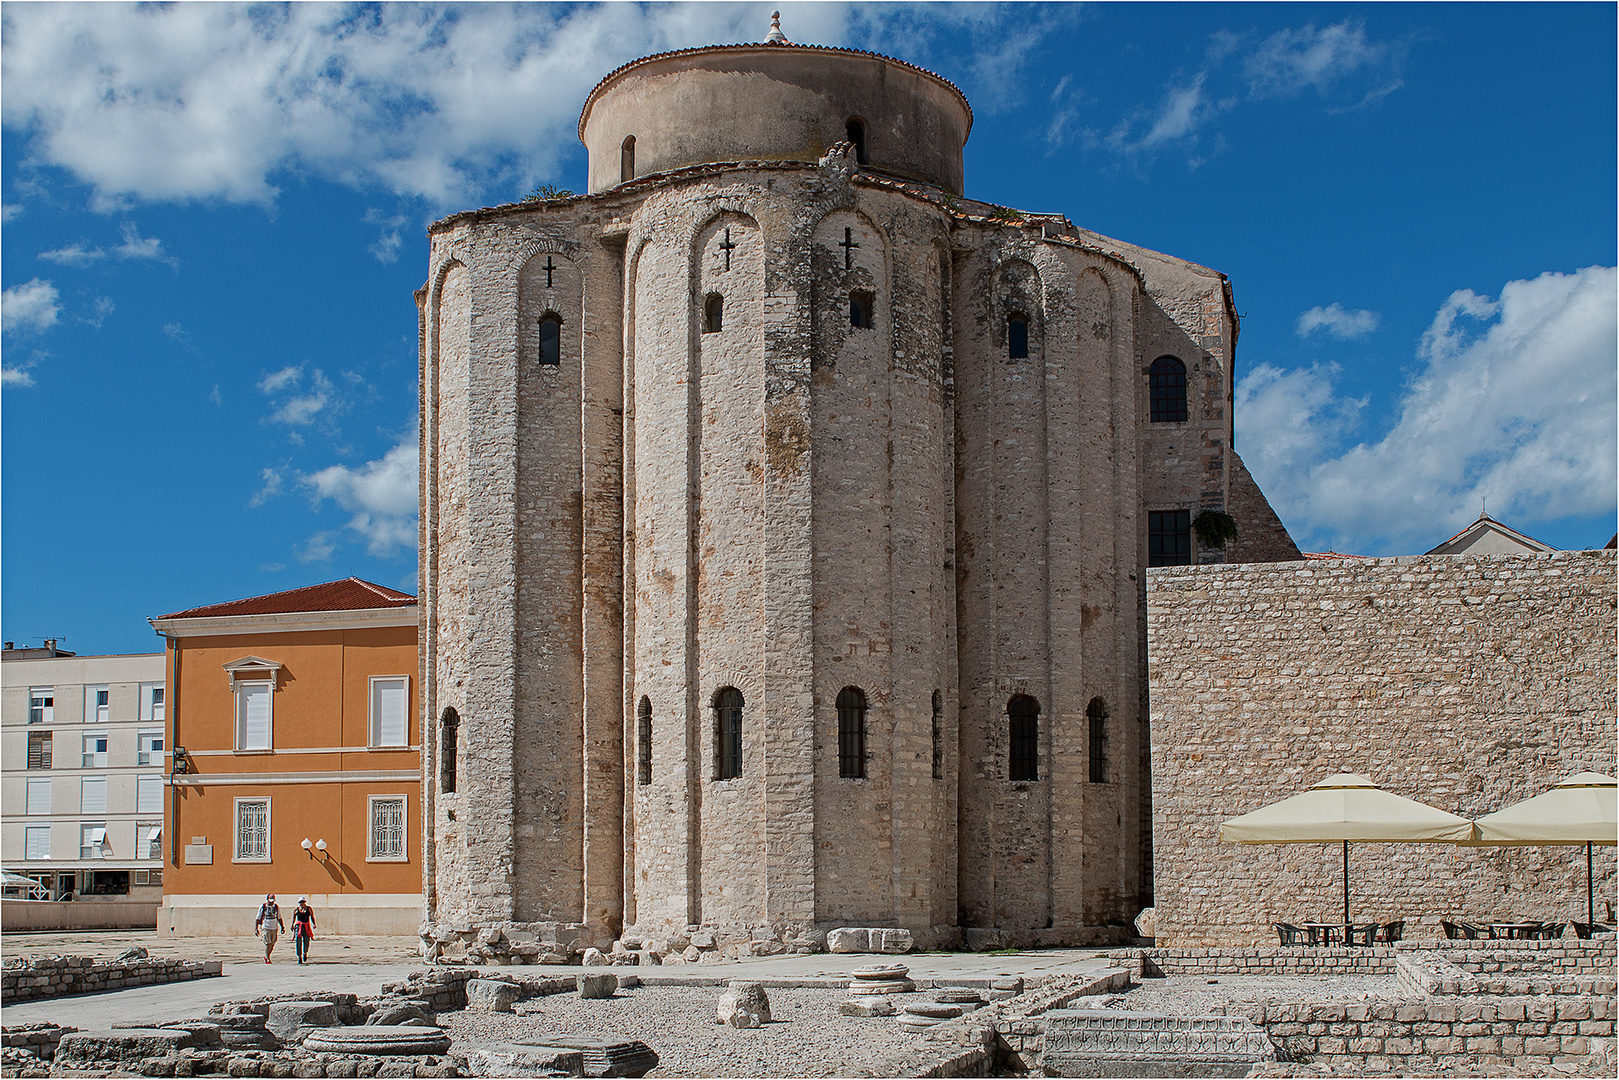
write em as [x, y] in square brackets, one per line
[199, 854]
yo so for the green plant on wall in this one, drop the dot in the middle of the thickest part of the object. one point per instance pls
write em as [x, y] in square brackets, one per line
[1214, 528]
[547, 191]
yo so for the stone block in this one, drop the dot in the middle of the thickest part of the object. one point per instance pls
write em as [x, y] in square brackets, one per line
[847, 939]
[596, 986]
[743, 1005]
[870, 1005]
[518, 1059]
[490, 995]
[291, 1021]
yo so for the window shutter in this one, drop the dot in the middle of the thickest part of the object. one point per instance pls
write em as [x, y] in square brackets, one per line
[39, 796]
[93, 795]
[39, 842]
[389, 708]
[256, 716]
[149, 795]
[387, 828]
[252, 830]
[39, 750]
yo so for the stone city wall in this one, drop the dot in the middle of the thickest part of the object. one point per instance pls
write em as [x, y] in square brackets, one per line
[29, 978]
[1466, 682]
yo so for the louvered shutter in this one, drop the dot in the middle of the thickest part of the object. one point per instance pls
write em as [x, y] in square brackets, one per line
[39, 842]
[388, 712]
[93, 795]
[254, 706]
[149, 795]
[39, 796]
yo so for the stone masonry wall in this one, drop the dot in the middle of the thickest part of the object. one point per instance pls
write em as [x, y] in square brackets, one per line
[1466, 682]
[33, 977]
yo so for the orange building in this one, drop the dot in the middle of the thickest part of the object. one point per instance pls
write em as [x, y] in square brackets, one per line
[295, 761]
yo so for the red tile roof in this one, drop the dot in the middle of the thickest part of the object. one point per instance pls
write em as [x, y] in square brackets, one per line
[350, 594]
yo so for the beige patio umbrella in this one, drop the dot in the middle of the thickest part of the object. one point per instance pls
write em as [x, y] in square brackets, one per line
[1584, 809]
[1346, 807]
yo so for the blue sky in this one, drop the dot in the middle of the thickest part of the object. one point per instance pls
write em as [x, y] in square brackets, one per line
[214, 220]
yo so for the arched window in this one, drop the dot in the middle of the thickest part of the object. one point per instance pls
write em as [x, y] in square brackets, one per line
[643, 742]
[626, 159]
[1096, 712]
[449, 725]
[860, 305]
[728, 734]
[856, 131]
[938, 736]
[713, 313]
[1166, 382]
[1024, 713]
[551, 340]
[1017, 336]
[851, 733]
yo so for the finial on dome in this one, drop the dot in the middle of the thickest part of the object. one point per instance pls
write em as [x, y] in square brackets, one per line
[776, 37]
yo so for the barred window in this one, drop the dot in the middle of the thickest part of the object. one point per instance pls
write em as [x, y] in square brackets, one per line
[1169, 538]
[728, 734]
[1096, 712]
[938, 736]
[387, 828]
[39, 749]
[1024, 714]
[449, 725]
[253, 830]
[1166, 383]
[643, 742]
[852, 733]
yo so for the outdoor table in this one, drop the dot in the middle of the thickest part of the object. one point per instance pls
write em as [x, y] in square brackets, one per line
[1511, 930]
[1327, 932]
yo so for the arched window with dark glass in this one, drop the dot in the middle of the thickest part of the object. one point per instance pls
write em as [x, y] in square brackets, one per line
[860, 305]
[1017, 336]
[713, 313]
[643, 742]
[938, 736]
[851, 733]
[1166, 383]
[855, 129]
[1023, 712]
[449, 726]
[1096, 713]
[551, 340]
[626, 159]
[728, 734]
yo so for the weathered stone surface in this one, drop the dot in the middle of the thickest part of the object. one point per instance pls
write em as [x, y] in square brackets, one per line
[522, 1059]
[489, 995]
[881, 972]
[402, 1012]
[127, 1046]
[596, 986]
[743, 1005]
[965, 996]
[607, 1055]
[593, 957]
[862, 987]
[872, 1005]
[291, 1021]
[1106, 1042]
[1147, 922]
[933, 1010]
[378, 1039]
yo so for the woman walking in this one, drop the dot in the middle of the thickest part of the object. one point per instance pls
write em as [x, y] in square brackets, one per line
[303, 928]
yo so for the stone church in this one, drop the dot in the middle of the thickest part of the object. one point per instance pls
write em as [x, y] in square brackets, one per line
[785, 514]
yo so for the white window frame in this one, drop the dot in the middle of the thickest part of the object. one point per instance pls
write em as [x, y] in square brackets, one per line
[148, 840]
[93, 839]
[30, 834]
[94, 711]
[236, 830]
[98, 758]
[36, 784]
[237, 689]
[47, 712]
[373, 728]
[151, 712]
[371, 803]
[144, 785]
[84, 783]
[144, 750]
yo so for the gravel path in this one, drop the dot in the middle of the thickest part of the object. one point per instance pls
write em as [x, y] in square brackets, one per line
[807, 1035]
[1198, 995]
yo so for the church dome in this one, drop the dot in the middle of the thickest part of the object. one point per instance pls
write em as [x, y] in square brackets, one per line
[773, 101]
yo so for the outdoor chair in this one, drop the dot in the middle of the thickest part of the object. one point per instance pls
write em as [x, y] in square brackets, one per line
[1391, 931]
[1471, 932]
[1360, 935]
[1452, 931]
[1550, 931]
[1294, 935]
[1586, 930]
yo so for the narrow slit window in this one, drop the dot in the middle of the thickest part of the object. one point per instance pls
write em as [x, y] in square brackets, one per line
[1024, 714]
[1017, 337]
[728, 734]
[713, 313]
[551, 341]
[855, 130]
[626, 159]
[1166, 384]
[643, 742]
[449, 728]
[852, 733]
[938, 736]
[1096, 713]
[860, 305]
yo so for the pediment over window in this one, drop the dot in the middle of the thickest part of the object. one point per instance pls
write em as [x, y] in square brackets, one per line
[252, 668]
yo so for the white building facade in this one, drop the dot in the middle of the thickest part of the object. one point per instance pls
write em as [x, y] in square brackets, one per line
[82, 803]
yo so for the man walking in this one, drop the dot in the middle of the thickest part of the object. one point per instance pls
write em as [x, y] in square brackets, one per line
[270, 920]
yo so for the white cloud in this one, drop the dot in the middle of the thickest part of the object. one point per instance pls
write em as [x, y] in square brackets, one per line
[16, 377]
[1514, 402]
[381, 494]
[134, 246]
[30, 306]
[1325, 59]
[276, 381]
[1335, 320]
[100, 308]
[271, 488]
[9, 211]
[319, 548]
[301, 405]
[74, 255]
